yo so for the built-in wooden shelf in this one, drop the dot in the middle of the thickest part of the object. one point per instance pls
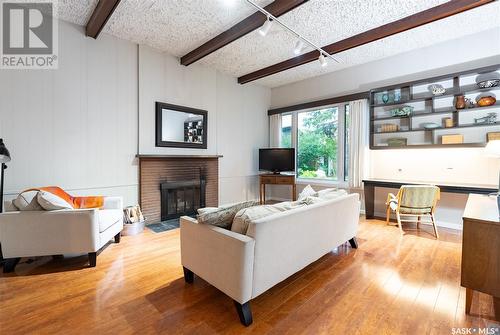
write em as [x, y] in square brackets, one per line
[437, 106]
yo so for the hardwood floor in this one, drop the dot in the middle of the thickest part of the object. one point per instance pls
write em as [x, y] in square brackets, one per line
[390, 285]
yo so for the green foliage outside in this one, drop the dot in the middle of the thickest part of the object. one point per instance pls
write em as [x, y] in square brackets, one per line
[286, 137]
[317, 138]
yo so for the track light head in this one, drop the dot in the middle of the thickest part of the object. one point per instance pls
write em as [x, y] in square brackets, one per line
[266, 27]
[322, 60]
[299, 46]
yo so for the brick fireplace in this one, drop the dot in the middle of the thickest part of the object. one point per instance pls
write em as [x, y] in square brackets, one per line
[155, 170]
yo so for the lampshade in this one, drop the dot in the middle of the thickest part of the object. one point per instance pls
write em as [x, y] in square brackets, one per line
[492, 149]
[4, 153]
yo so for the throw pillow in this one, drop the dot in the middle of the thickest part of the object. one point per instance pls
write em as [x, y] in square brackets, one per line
[207, 210]
[311, 200]
[27, 201]
[307, 191]
[333, 195]
[325, 191]
[51, 202]
[223, 216]
[246, 215]
[10, 207]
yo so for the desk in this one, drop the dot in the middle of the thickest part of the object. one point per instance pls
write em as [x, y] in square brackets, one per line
[481, 250]
[371, 184]
[276, 179]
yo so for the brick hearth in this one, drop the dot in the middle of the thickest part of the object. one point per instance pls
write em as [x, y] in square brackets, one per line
[156, 169]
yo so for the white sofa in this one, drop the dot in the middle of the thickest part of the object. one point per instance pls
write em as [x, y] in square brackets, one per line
[275, 247]
[73, 231]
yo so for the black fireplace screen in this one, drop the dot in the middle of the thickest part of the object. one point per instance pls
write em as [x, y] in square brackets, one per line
[183, 197]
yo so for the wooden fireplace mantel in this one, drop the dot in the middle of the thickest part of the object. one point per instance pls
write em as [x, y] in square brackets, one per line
[179, 156]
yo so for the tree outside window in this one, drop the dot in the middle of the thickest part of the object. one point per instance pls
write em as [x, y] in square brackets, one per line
[286, 131]
[317, 144]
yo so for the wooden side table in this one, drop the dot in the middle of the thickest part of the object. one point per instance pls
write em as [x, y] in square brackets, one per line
[276, 179]
[481, 250]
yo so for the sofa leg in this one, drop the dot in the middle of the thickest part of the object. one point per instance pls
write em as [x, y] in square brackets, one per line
[10, 264]
[188, 275]
[92, 259]
[118, 238]
[354, 242]
[244, 312]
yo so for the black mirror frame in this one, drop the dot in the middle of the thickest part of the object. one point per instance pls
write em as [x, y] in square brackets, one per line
[159, 143]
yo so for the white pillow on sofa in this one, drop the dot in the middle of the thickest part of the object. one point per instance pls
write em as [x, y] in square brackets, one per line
[52, 202]
[223, 216]
[306, 192]
[333, 194]
[243, 218]
[27, 201]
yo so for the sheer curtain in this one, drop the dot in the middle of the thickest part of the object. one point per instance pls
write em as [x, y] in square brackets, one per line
[274, 130]
[358, 142]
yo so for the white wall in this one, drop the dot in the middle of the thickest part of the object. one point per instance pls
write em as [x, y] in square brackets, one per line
[75, 127]
[444, 165]
[242, 128]
[80, 126]
[237, 117]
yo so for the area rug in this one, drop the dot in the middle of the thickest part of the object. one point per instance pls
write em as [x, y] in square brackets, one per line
[164, 225]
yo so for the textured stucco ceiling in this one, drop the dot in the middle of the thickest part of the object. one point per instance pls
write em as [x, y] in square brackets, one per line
[178, 26]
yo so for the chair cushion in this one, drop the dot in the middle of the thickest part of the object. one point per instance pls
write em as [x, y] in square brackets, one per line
[108, 217]
[408, 210]
[418, 196]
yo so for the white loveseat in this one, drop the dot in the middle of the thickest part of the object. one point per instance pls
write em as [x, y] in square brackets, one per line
[68, 231]
[274, 248]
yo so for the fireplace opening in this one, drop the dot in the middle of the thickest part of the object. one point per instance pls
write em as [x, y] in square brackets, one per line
[182, 197]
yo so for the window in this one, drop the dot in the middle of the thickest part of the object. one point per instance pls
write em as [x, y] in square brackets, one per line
[347, 122]
[286, 131]
[321, 139]
[317, 144]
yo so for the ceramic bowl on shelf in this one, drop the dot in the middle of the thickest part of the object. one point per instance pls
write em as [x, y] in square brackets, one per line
[488, 83]
[437, 89]
[430, 125]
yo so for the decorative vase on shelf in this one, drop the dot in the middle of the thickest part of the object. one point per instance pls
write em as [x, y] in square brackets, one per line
[385, 98]
[460, 102]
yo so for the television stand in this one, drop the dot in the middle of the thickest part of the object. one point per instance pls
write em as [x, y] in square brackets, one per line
[275, 179]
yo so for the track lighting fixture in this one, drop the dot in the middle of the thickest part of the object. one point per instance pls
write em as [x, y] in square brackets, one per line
[299, 46]
[322, 60]
[301, 40]
[266, 27]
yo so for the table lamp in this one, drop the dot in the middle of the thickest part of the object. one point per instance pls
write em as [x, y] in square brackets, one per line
[4, 158]
[493, 150]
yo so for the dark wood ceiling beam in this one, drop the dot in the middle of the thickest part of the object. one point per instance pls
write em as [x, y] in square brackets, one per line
[249, 24]
[427, 16]
[100, 17]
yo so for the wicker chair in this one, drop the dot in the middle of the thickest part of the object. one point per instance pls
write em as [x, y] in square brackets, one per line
[414, 201]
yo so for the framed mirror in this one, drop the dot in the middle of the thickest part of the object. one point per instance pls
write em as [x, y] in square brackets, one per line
[180, 127]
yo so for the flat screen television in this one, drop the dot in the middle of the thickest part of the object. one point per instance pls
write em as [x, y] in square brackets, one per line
[277, 160]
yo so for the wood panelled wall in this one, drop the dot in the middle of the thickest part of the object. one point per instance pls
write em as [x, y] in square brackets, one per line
[153, 171]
